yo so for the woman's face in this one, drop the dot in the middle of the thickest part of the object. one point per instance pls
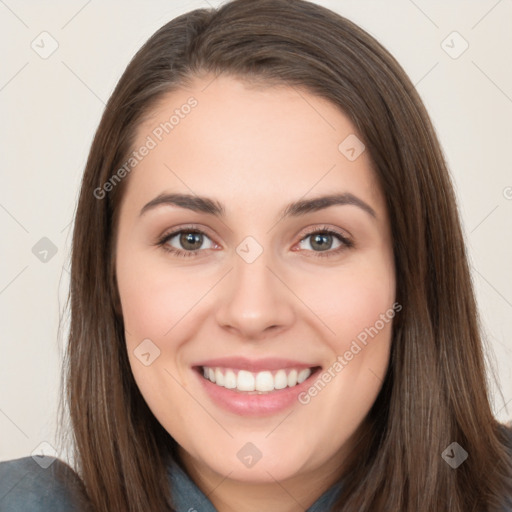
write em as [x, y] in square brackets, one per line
[219, 274]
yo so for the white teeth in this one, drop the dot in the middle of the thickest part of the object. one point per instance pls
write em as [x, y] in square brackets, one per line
[292, 378]
[245, 381]
[219, 377]
[230, 380]
[280, 380]
[260, 382]
[264, 381]
[303, 375]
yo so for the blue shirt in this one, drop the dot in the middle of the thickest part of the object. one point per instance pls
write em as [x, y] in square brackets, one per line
[26, 486]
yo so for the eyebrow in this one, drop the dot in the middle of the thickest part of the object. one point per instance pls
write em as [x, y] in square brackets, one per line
[295, 209]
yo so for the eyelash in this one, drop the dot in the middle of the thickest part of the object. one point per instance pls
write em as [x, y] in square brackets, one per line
[346, 243]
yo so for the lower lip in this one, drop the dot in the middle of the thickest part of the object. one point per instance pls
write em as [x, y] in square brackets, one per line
[244, 404]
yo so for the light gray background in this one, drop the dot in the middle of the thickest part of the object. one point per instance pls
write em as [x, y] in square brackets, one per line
[51, 107]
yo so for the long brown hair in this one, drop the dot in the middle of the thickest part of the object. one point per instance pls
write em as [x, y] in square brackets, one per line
[435, 391]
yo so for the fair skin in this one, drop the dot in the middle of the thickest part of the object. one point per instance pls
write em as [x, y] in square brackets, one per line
[255, 150]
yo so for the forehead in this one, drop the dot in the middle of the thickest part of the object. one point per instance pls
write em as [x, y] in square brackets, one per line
[235, 139]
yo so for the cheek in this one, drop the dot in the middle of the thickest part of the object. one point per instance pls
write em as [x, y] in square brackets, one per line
[358, 305]
[352, 299]
[153, 300]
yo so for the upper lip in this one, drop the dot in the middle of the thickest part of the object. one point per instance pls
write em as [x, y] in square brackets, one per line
[254, 365]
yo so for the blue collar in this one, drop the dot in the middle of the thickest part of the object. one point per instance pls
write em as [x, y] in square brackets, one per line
[187, 497]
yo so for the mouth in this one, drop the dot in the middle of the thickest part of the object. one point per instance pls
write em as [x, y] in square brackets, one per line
[262, 382]
[254, 388]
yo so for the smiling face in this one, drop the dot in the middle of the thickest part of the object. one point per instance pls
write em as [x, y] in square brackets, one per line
[253, 299]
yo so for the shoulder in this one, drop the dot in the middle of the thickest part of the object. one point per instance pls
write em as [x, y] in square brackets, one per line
[27, 486]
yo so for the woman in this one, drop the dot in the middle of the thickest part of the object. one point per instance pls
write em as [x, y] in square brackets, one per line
[271, 306]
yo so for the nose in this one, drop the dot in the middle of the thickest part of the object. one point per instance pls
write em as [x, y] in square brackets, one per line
[254, 302]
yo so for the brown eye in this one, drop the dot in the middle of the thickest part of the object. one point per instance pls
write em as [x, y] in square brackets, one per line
[191, 241]
[323, 240]
[185, 242]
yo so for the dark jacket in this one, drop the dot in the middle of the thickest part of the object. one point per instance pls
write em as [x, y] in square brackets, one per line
[26, 486]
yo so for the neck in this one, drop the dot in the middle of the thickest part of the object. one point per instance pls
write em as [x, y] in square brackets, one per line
[295, 494]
